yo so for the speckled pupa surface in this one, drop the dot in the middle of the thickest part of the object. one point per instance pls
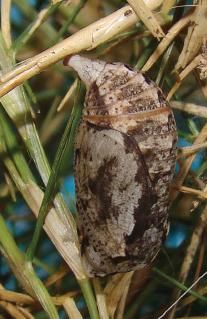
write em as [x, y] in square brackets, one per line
[125, 153]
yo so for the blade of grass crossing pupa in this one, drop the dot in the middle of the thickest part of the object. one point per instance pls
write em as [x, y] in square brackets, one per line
[51, 189]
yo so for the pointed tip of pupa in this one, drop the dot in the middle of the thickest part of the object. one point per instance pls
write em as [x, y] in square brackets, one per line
[88, 70]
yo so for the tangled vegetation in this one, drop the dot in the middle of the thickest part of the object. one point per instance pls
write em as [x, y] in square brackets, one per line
[41, 273]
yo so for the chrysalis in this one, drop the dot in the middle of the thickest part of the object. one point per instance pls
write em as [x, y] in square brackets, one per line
[125, 154]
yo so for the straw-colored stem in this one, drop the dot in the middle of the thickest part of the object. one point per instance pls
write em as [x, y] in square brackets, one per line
[5, 22]
[85, 39]
[24, 271]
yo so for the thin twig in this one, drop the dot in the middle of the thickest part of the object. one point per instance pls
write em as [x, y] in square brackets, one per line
[176, 28]
[85, 39]
[190, 150]
[179, 179]
[190, 108]
[176, 302]
[146, 15]
[189, 190]
[190, 67]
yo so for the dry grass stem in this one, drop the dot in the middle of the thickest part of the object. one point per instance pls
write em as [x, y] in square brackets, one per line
[179, 179]
[101, 300]
[194, 64]
[163, 45]
[116, 35]
[57, 276]
[67, 96]
[11, 310]
[196, 32]
[85, 39]
[190, 108]
[5, 22]
[25, 313]
[117, 290]
[71, 309]
[65, 240]
[122, 303]
[148, 18]
[189, 150]
[190, 254]
[59, 300]
[26, 300]
[189, 190]
[15, 297]
[193, 246]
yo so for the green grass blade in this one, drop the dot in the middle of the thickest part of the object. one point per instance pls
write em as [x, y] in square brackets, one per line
[66, 25]
[178, 284]
[14, 148]
[51, 188]
[24, 271]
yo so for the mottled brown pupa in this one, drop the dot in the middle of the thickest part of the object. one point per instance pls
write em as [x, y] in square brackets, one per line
[125, 154]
